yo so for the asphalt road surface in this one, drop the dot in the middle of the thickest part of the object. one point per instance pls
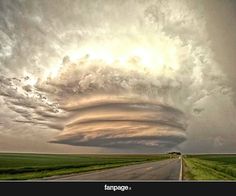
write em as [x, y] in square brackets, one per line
[160, 170]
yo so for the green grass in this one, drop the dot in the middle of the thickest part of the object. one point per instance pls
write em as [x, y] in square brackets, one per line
[32, 166]
[210, 167]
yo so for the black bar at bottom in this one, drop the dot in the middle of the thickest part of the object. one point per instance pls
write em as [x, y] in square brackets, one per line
[76, 188]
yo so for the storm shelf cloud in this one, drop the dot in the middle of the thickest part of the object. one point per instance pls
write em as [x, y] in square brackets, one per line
[126, 75]
[124, 123]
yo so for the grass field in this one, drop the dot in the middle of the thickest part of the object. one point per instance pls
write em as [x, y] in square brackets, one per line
[31, 166]
[210, 167]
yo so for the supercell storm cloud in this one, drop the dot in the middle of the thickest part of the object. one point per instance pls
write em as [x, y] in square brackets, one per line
[96, 104]
[115, 74]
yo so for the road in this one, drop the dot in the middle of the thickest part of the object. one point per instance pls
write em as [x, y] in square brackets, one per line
[160, 170]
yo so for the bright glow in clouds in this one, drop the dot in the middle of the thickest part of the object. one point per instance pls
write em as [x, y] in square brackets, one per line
[153, 53]
[131, 75]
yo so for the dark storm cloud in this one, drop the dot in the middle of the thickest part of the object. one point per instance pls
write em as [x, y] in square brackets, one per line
[120, 122]
[147, 143]
[141, 119]
[98, 101]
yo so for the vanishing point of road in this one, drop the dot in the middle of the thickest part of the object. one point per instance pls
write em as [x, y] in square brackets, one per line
[169, 169]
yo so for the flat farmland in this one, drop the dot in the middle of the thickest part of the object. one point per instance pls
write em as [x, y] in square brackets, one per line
[21, 166]
[210, 167]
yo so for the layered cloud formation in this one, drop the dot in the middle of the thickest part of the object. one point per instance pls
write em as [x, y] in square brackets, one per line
[119, 122]
[96, 103]
[101, 74]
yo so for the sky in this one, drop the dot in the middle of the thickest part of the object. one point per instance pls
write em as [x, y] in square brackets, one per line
[118, 76]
